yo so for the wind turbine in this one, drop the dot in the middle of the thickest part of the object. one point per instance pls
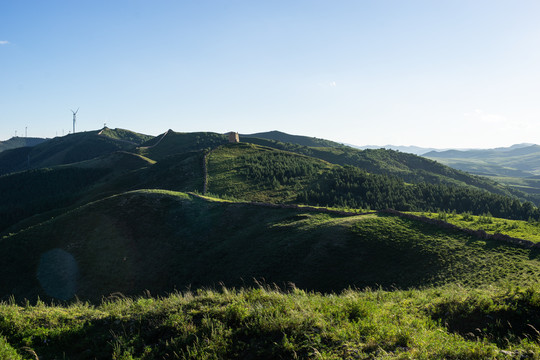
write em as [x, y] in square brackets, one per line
[74, 118]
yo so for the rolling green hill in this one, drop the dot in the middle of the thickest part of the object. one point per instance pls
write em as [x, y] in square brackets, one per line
[256, 173]
[83, 146]
[160, 241]
[243, 171]
[96, 166]
[41, 193]
[411, 168]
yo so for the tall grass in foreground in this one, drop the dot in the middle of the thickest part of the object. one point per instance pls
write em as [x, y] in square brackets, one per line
[265, 323]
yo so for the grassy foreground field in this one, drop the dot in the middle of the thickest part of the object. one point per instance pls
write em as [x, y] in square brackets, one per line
[264, 323]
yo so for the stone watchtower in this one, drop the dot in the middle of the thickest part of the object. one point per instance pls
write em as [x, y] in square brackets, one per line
[233, 137]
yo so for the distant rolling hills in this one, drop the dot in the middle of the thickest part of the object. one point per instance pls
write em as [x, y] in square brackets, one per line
[417, 150]
[520, 161]
[517, 166]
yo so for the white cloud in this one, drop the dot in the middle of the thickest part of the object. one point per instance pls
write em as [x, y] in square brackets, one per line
[4, 42]
[331, 84]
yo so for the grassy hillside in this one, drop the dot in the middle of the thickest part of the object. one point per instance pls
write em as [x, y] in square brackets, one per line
[162, 241]
[180, 172]
[257, 173]
[528, 230]
[263, 323]
[37, 194]
[38, 191]
[409, 167]
[83, 146]
[243, 171]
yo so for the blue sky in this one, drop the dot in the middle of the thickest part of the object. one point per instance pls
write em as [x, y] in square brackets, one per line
[427, 73]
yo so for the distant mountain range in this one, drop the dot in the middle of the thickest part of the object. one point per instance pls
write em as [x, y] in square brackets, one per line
[418, 150]
[521, 160]
[517, 165]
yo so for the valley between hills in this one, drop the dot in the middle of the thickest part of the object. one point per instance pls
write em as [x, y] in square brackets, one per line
[121, 245]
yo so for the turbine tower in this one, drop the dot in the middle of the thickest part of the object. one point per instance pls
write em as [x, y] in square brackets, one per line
[74, 118]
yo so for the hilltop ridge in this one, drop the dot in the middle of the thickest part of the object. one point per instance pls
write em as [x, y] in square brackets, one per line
[294, 139]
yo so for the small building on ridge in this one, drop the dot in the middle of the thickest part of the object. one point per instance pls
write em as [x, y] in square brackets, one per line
[233, 137]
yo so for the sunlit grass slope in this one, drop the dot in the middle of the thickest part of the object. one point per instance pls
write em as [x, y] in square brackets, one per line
[528, 230]
[262, 323]
[260, 173]
[161, 241]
